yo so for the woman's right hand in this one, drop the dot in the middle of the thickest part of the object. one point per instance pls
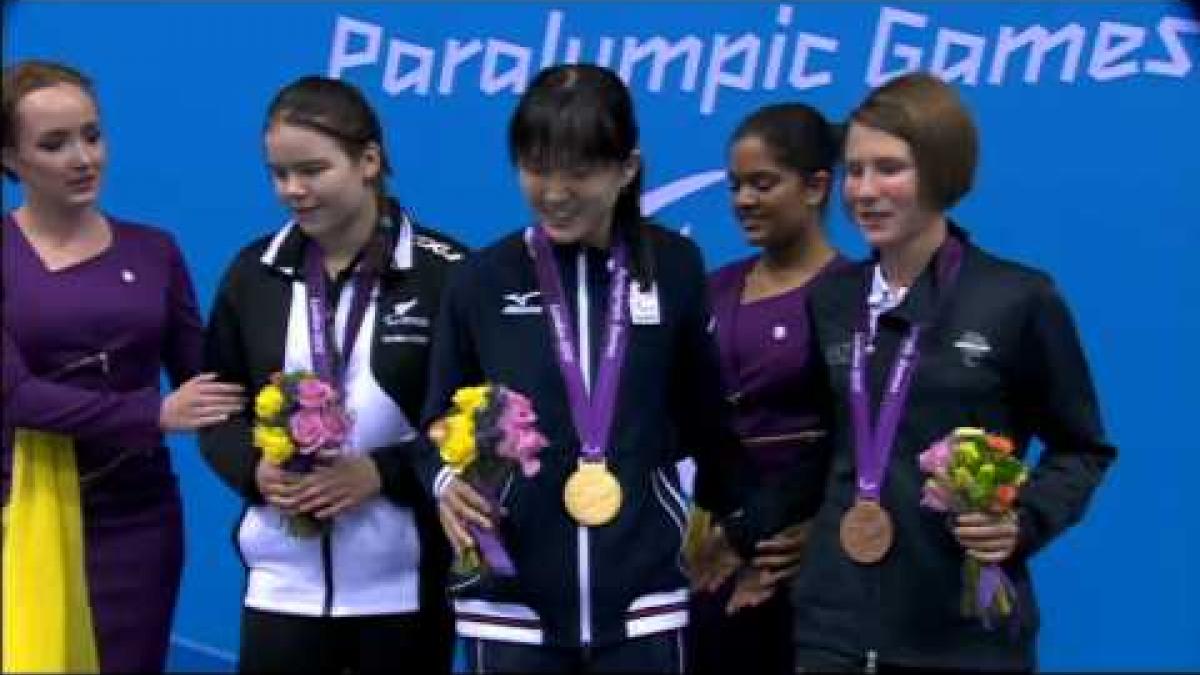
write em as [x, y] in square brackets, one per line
[278, 487]
[200, 402]
[458, 505]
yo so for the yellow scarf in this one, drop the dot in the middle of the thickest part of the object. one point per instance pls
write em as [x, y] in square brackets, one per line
[47, 615]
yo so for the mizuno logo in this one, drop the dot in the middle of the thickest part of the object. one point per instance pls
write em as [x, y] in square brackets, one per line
[518, 303]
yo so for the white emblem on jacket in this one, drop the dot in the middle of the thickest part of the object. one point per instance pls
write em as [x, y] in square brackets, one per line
[974, 346]
[518, 303]
[643, 305]
[438, 248]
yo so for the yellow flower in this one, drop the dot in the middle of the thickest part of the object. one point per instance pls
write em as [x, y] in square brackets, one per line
[458, 446]
[470, 399]
[269, 402]
[274, 442]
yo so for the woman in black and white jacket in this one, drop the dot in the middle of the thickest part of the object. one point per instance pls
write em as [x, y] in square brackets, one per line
[368, 593]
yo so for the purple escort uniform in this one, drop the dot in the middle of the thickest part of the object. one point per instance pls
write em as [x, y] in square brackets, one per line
[84, 347]
[765, 363]
[766, 368]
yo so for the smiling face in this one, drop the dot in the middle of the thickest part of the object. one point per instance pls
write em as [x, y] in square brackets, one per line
[59, 152]
[326, 189]
[882, 188]
[576, 205]
[774, 203]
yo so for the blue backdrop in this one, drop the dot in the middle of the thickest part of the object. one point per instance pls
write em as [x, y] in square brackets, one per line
[1090, 170]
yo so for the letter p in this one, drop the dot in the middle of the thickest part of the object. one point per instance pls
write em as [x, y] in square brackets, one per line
[340, 58]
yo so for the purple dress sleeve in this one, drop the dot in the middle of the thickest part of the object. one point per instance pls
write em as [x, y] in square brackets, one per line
[183, 337]
[119, 418]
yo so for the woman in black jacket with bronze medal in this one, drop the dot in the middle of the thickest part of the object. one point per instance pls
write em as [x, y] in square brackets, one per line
[928, 335]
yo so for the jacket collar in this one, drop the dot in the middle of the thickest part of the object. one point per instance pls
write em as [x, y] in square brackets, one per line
[924, 298]
[285, 253]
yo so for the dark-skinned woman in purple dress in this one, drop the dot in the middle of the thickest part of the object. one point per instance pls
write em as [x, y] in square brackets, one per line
[781, 159]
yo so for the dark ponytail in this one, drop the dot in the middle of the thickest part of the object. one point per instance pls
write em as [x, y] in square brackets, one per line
[797, 135]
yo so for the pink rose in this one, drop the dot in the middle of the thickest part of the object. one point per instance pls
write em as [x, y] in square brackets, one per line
[337, 426]
[936, 459]
[314, 393]
[518, 411]
[935, 496]
[522, 446]
[308, 430]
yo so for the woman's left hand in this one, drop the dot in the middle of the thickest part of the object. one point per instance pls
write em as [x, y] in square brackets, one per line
[337, 487]
[988, 537]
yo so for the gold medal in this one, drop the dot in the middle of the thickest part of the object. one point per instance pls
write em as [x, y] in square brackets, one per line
[592, 494]
[866, 532]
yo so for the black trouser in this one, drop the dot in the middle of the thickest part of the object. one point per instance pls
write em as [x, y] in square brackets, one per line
[754, 640]
[658, 653]
[286, 643]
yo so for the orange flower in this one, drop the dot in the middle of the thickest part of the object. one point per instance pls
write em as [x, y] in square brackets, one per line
[1005, 496]
[1000, 444]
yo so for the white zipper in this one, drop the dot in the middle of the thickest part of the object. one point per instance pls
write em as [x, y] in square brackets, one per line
[871, 667]
[585, 365]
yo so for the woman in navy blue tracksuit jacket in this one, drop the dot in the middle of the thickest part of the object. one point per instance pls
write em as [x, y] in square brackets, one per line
[597, 597]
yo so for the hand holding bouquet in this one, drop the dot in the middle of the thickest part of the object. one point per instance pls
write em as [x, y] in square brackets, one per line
[300, 424]
[488, 434]
[974, 472]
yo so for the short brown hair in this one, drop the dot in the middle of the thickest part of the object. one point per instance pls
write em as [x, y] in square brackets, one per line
[928, 115]
[21, 79]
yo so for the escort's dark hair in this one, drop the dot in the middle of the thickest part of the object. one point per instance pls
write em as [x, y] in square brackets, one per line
[928, 115]
[578, 116]
[26, 77]
[339, 110]
[797, 136]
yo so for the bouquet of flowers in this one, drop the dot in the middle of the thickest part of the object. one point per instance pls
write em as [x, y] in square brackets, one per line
[300, 423]
[975, 471]
[488, 433]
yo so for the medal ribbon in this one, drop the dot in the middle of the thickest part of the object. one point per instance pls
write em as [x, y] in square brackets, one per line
[325, 358]
[593, 415]
[873, 447]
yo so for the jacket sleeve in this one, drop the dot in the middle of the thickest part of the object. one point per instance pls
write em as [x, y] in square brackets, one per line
[1061, 409]
[700, 413]
[794, 495]
[183, 344]
[398, 464]
[453, 363]
[120, 419]
[228, 447]
[398, 481]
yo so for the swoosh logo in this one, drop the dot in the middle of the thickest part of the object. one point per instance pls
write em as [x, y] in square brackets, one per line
[662, 197]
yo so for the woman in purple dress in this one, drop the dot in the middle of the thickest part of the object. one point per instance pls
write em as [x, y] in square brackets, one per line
[94, 308]
[780, 162]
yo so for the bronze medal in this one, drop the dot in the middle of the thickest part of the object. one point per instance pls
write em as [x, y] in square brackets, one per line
[592, 494]
[866, 532]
